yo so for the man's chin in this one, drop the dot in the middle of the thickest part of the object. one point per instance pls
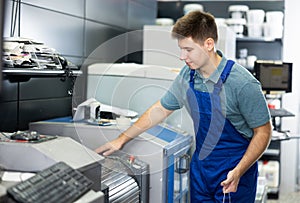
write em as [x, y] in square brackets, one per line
[193, 67]
[190, 65]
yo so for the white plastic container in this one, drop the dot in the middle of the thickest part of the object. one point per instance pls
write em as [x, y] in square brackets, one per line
[251, 61]
[255, 30]
[270, 170]
[255, 16]
[275, 17]
[238, 11]
[272, 30]
[237, 24]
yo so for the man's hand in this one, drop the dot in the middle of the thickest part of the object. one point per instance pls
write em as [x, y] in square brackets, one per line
[154, 115]
[109, 147]
[231, 183]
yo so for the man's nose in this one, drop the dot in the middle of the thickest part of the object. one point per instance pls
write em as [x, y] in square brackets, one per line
[182, 55]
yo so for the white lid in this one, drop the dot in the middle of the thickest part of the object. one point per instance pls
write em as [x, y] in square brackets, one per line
[275, 14]
[257, 11]
[236, 21]
[241, 8]
[164, 21]
[191, 7]
[280, 13]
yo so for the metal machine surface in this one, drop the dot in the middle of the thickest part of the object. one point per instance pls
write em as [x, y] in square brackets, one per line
[33, 157]
[36, 157]
[126, 179]
[164, 148]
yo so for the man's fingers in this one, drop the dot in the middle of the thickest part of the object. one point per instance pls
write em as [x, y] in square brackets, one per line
[108, 152]
[225, 185]
[225, 182]
[101, 149]
[106, 149]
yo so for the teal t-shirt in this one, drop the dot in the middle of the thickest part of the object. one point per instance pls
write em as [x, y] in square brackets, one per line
[243, 102]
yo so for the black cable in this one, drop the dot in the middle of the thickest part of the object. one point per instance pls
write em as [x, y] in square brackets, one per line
[12, 17]
[19, 20]
[15, 16]
[15, 19]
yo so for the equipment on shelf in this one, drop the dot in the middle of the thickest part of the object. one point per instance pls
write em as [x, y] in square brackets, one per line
[274, 75]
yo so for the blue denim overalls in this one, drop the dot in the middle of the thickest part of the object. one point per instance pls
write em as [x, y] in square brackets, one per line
[219, 148]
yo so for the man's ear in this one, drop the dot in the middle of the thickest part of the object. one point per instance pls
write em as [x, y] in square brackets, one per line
[209, 43]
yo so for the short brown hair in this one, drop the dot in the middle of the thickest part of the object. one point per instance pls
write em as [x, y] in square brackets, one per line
[196, 24]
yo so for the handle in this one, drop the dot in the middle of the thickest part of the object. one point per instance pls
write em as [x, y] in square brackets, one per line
[183, 164]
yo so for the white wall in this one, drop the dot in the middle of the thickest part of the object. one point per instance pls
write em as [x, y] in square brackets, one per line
[291, 101]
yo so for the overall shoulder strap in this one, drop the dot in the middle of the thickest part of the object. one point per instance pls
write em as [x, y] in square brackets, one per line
[226, 70]
[225, 73]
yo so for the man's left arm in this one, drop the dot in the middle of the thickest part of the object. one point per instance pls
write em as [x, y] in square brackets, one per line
[258, 144]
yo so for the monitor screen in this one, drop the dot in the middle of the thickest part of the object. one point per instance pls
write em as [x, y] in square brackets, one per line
[274, 75]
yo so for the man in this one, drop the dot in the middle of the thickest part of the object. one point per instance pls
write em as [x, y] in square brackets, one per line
[231, 119]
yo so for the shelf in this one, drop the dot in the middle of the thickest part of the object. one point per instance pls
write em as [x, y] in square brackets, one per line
[220, 0]
[273, 189]
[272, 152]
[257, 39]
[40, 72]
[280, 113]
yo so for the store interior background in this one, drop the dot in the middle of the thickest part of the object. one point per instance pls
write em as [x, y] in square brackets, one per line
[75, 28]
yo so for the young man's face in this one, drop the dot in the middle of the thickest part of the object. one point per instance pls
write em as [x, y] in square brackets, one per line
[194, 54]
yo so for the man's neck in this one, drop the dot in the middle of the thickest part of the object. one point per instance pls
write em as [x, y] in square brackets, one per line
[211, 66]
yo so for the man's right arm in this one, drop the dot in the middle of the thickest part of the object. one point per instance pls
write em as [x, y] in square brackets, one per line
[153, 116]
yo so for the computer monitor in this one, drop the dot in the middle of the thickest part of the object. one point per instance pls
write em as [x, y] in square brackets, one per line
[274, 75]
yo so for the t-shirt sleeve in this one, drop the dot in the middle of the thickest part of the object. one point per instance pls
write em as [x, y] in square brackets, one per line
[253, 105]
[173, 98]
